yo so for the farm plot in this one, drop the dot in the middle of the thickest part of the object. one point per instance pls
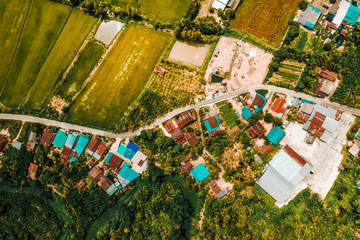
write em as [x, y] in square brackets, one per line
[163, 93]
[288, 74]
[265, 18]
[13, 14]
[120, 78]
[83, 66]
[44, 24]
[228, 114]
[63, 52]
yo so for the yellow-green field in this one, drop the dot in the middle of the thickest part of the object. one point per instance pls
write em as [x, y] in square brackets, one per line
[265, 18]
[120, 78]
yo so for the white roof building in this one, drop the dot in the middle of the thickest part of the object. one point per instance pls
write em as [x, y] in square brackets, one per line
[220, 4]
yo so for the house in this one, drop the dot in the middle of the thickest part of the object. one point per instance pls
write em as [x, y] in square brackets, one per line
[278, 108]
[90, 164]
[216, 189]
[81, 185]
[258, 159]
[81, 143]
[17, 145]
[257, 130]
[104, 183]
[216, 78]
[212, 124]
[2, 144]
[286, 170]
[343, 32]
[160, 70]
[181, 141]
[31, 143]
[322, 122]
[188, 167]
[216, 132]
[325, 88]
[47, 138]
[331, 76]
[343, 14]
[169, 126]
[60, 139]
[112, 189]
[96, 148]
[139, 163]
[176, 134]
[307, 108]
[233, 4]
[275, 135]
[246, 113]
[302, 117]
[200, 173]
[296, 103]
[71, 139]
[354, 150]
[191, 139]
[95, 174]
[128, 151]
[310, 17]
[115, 163]
[65, 156]
[186, 118]
[266, 149]
[256, 102]
[32, 170]
[126, 175]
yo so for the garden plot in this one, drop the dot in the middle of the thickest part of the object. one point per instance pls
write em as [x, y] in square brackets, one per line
[241, 63]
[227, 114]
[108, 30]
[325, 157]
[120, 78]
[288, 74]
[193, 54]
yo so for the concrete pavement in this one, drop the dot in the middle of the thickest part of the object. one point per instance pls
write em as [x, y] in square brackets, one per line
[223, 97]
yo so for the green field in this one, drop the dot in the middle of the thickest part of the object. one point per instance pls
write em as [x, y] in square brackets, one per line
[120, 78]
[63, 52]
[13, 14]
[164, 11]
[287, 75]
[42, 28]
[83, 66]
[228, 114]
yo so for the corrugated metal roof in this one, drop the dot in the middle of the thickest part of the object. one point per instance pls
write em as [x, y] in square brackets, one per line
[200, 172]
[81, 144]
[60, 139]
[341, 13]
[275, 135]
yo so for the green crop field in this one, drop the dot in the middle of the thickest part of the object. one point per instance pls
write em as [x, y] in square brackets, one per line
[265, 18]
[13, 14]
[288, 74]
[41, 30]
[228, 114]
[120, 78]
[80, 71]
[164, 11]
[63, 52]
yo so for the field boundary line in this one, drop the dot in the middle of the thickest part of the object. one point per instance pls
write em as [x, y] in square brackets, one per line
[46, 56]
[17, 46]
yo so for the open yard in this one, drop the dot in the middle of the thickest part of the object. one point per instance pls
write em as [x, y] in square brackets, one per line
[62, 53]
[265, 18]
[120, 78]
[13, 14]
[83, 66]
[41, 30]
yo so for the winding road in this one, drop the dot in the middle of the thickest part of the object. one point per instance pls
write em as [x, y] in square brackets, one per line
[220, 98]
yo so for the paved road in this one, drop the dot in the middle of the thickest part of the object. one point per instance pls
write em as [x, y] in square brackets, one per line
[223, 97]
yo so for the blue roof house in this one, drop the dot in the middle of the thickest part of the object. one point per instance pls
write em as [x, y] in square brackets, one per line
[60, 139]
[209, 128]
[81, 144]
[352, 14]
[71, 140]
[127, 175]
[275, 135]
[122, 150]
[133, 147]
[200, 173]
[259, 108]
[246, 113]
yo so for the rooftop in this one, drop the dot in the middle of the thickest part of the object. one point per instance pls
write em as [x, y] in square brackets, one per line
[246, 113]
[310, 17]
[47, 138]
[60, 139]
[200, 173]
[81, 144]
[275, 135]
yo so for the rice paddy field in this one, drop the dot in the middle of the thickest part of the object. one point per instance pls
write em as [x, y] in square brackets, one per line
[49, 41]
[265, 18]
[87, 60]
[13, 15]
[120, 78]
[164, 11]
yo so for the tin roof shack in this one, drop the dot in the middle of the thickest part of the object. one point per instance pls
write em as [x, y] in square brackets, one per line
[169, 126]
[310, 17]
[47, 138]
[257, 130]
[81, 185]
[331, 76]
[186, 118]
[216, 190]
[325, 88]
[266, 149]
[96, 148]
[17, 145]
[95, 174]
[322, 122]
[32, 170]
[104, 183]
[31, 143]
[188, 167]
[176, 134]
[286, 170]
[191, 139]
[278, 108]
[115, 163]
[65, 155]
[160, 70]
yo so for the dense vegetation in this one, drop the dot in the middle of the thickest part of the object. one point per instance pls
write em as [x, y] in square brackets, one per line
[23, 216]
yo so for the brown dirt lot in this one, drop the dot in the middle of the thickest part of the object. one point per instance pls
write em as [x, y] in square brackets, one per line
[265, 18]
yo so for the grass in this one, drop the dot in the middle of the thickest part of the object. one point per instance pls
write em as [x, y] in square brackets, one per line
[87, 60]
[228, 114]
[62, 54]
[307, 41]
[265, 18]
[13, 14]
[120, 78]
[41, 30]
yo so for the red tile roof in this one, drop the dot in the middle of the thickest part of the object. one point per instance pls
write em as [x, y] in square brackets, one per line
[181, 141]
[81, 185]
[278, 105]
[186, 118]
[32, 170]
[213, 122]
[105, 183]
[101, 149]
[214, 187]
[257, 130]
[328, 75]
[94, 145]
[266, 149]
[176, 134]
[95, 174]
[169, 126]
[47, 138]
[257, 102]
[216, 132]
[191, 139]
[187, 167]
[115, 163]
[302, 117]
[65, 156]
[301, 161]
